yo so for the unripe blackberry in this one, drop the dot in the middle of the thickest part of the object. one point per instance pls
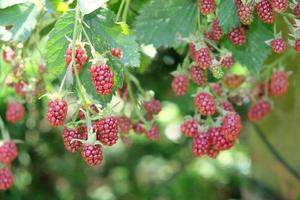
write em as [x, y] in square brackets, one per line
[116, 52]
[201, 144]
[8, 152]
[213, 152]
[14, 112]
[245, 12]
[139, 128]
[18, 70]
[279, 45]
[102, 78]
[92, 154]
[57, 112]
[297, 45]
[279, 83]
[6, 178]
[153, 133]
[231, 126]
[106, 130]
[69, 137]
[265, 11]
[207, 6]
[152, 106]
[297, 10]
[189, 128]
[205, 103]
[227, 61]
[198, 76]
[180, 85]
[20, 88]
[216, 87]
[124, 124]
[8, 54]
[280, 5]
[227, 106]
[218, 140]
[80, 57]
[216, 30]
[203, 57]
[237, 36]
[259, 110]
[233, 81]
[217, 72]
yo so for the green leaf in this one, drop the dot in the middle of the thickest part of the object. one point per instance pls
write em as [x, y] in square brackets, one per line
[5, 4]
[57, 45]
[106, 34]
[160, 22]
[255, 51]
[227, 15]
[22, 18]
[88, 6]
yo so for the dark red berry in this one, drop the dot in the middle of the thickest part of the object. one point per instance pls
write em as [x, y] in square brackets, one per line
[152, 106]
[233, 81]
[180, 85]
[201, 144]
[103, 79]
[20, 88]
[297, 45]
[18, 70]
[8, 54]
[189, 128]
[8, 152]
[279, 45]
[231, 126]
[237, 36]
[280, 5]
[124, 124]
[278, 85]
[69, 137]
[106, 130]
[265, 11]
[153, 133]
[203, 57]
[213, 152]
[42, 68]
[92, 154]
[297, 10]
[139, 128]
[216, 87]
[57, 112]
[198, 76]
[216, 30]
[205, 103]
[245, 12]
[227, 106]
[14, 112]
[6, 178]
[227, 61]
[116, 52]
[207, 6]
[80, 57]
[259, 110]
[218, 140]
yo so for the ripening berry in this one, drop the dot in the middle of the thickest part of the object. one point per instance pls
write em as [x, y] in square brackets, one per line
[8, 152]
[18, 70]
[297, 45]
[278, 85]
[92, 154]
[106, 130]
[233, 81]
[189, 128]
[123, 93]
[237, 36]
[80, 57]
[124, 124]
[218, 140]
[203, 57]
[231, 126]
[259, 110]
[205, 103]
[14, 112]
[139, 128]
[153, 133]
[207, 6]
[279, 45]
[69, 137]
[180, 85]
[227, 61]
[116, 52]
[216, 31]
[198, 76]
[265, 11]
[20, 88]
[6, 178]
[201, 144]
[280, 5]
[227, 106]
[103, 79]
[57, 112]
[8, 54]
[216, 87]
[216, 71]
[213, 152]
[245, 12]
[297, 10]
[152, 106]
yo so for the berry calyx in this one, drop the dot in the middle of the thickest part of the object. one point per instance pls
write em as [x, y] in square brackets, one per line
[102, 78]
[237, 36]
[8, 152]
[6, 178]
[278, 85]
[205, 103]
[15, 112]
[57, 112]
[92, 154]
[189, 128]
[198, 76]
[106, 130]
[265, 11]
[180, 85]
[80, 57]
[259, 110]
[279, 45]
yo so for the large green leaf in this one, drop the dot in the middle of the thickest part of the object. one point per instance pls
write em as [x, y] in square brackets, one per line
[160, 22]
[227, 15]
[255, 51]
[106, 34]
[22, 18]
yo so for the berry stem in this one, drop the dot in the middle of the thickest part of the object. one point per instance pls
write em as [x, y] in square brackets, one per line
[89, 41]
[120, 10]
[4, 131]
[125, 13]
[213, 45]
